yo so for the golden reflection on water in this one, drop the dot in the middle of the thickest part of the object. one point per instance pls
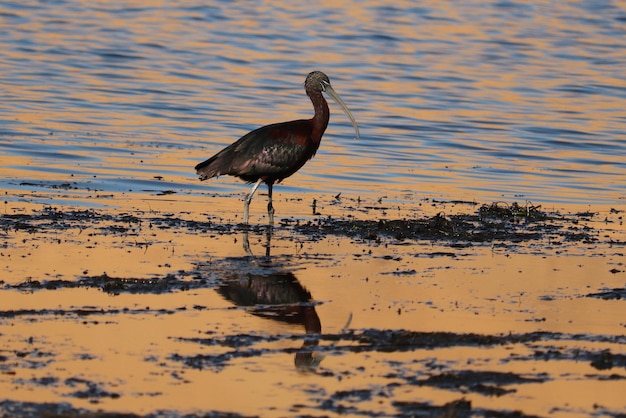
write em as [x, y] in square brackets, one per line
[200, 113]
[480, 290]
[445, 111]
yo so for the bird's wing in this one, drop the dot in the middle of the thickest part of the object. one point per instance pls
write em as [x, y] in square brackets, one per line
[268, 151]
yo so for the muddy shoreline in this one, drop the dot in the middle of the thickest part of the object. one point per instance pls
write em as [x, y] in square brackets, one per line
[264, 287]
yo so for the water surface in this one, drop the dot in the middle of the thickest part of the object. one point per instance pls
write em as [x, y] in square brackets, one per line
[495, 101]
[108, 105]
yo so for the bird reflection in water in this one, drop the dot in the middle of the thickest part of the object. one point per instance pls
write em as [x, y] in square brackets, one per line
[279, 296]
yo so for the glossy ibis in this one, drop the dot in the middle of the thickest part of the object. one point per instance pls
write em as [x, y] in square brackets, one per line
[274, 152]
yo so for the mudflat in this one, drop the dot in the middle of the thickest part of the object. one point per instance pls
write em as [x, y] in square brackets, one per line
[372, 309]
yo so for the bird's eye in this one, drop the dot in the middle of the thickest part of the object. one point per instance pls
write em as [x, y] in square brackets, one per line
[323, 84]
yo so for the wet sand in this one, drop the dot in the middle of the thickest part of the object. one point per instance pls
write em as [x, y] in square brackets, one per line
[362, 308]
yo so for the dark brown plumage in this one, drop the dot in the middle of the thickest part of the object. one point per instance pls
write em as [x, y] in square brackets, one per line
[274, 152]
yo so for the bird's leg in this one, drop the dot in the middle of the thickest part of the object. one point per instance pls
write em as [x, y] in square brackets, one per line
[246, 203]
[246, 244]
[270, 208]
[268, 242]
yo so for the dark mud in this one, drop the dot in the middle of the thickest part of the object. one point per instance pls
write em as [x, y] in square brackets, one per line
[542, 345]
[495, 222]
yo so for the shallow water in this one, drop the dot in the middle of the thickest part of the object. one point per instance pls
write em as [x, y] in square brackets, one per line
[476, 101]
[109, 105]
[157, 313]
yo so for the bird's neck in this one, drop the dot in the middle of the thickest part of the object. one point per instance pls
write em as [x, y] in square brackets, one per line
[321, 117]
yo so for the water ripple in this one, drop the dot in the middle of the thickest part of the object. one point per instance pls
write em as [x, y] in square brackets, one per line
[461, 100]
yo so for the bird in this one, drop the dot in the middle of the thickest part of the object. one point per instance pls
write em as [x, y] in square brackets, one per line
[274, 152]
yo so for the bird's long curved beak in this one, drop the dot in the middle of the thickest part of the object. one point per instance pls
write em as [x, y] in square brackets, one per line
[331, 92]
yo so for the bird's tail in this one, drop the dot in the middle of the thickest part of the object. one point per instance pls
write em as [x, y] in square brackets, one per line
[208, 169]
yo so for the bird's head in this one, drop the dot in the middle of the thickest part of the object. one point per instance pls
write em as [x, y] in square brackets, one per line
[317, 81]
